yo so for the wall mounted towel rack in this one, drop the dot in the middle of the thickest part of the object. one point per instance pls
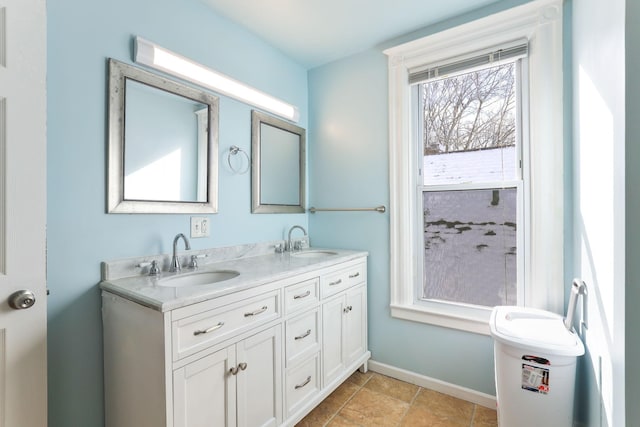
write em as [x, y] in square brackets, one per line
[380, 209]
[234, 150]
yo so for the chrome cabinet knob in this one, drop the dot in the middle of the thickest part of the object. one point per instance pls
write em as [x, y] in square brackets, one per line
[22, 299]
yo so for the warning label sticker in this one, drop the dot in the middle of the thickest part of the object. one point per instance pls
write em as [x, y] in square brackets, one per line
[535, 379]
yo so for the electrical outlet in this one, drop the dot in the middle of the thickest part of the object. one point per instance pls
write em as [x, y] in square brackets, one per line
[199, 226]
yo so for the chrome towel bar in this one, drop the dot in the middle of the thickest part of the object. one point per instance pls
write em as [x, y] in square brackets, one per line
[380, 209]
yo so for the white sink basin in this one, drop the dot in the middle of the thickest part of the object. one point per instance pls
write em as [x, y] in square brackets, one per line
[313, 254]
[198, 279]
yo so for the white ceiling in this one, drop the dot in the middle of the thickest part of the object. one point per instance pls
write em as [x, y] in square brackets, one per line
[314, 32]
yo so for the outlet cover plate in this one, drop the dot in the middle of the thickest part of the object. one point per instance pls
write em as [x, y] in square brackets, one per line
[199, 226]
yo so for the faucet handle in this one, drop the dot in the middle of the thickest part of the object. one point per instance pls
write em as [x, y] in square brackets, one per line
[153, 267]
[194, 260]
[154, 270]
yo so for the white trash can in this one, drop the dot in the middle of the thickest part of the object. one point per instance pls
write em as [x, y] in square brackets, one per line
[535, 364]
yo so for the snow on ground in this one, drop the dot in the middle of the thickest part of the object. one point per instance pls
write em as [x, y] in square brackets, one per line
[468, 166]
[470, 237]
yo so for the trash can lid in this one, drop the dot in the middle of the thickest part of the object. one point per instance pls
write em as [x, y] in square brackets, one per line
[534, 329]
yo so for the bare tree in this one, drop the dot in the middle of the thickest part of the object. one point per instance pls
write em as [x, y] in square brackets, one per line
[470, 111]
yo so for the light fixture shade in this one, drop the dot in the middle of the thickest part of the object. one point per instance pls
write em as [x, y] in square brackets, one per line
[152, 55]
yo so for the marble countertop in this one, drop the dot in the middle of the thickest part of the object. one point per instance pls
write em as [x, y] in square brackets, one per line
[254, 271]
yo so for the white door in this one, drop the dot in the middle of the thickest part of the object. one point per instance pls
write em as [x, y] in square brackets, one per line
[259, 392]
[333, 312]
[23, 386]
[355, 321]
[204, 391]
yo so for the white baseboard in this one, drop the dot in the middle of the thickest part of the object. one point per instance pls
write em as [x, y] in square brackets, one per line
[464, 393]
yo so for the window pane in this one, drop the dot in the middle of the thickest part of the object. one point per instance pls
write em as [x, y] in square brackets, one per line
[470, 246]
[470, 127]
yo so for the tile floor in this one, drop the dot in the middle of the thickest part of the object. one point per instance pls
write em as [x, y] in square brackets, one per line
[374, 400]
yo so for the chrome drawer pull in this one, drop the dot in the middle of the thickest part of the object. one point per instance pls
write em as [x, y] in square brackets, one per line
[308, 380]
[211, 329]
[353, 276]
[306, 334]
[337, 282]
[347, 309]
[306, 294]
[258, 311]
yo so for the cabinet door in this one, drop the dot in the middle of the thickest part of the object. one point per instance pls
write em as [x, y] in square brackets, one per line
[204, 391]
[332, 339]
[259, 384]
[355, 324]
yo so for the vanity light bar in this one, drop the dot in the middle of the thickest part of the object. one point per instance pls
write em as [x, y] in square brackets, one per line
[152, 55]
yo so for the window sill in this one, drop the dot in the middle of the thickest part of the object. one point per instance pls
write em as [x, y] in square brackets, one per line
[476, 323]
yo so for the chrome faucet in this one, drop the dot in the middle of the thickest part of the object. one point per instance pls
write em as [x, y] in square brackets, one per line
[175, 262]
[289, 245]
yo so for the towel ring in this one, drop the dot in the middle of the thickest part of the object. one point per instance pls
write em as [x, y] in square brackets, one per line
[233, 150]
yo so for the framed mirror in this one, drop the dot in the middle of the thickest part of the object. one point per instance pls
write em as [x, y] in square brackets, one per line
[163, 144]
[278, 168]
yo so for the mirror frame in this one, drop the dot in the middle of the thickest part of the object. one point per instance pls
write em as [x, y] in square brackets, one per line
[257, 119]
[119, 73]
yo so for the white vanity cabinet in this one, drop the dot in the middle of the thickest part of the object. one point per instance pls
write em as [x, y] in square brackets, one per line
[262, 356]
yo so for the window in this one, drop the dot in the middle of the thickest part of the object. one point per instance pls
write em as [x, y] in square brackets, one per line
[476, 169]
[470, 181]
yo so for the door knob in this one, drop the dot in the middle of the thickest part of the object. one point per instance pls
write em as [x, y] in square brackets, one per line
[22, 299]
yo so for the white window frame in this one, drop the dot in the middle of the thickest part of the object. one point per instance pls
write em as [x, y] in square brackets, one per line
[540, 22]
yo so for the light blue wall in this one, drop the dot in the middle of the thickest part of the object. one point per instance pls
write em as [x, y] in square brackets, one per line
[349, 167]
[632, 200]
[81, 36]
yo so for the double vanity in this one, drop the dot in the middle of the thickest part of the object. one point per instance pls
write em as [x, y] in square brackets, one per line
[250, 337]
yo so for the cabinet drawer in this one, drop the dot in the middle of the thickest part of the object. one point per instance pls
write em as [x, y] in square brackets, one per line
[301, 295]
[340, 280]
[302, 383]
[196, 332]
[302, 336]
